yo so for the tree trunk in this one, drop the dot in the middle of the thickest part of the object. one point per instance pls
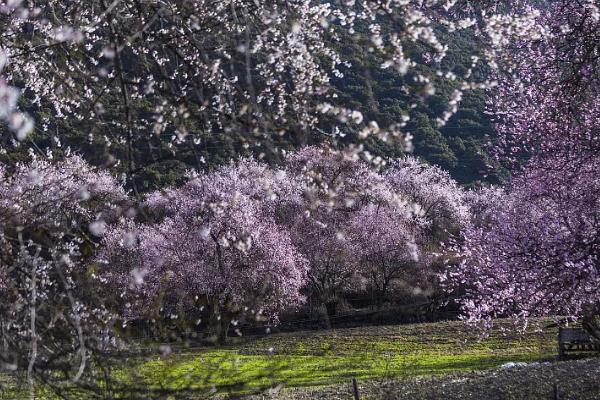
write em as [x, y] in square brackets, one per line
[378, 299]
[218, 324]
[331, 307]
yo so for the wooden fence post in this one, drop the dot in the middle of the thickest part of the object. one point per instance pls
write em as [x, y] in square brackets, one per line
[355, 389]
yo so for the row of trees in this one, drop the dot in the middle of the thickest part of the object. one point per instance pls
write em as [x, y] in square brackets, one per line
[248, 238]
[244, 241]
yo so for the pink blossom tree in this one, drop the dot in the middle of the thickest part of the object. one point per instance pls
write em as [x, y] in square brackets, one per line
[535, 252]
[385, 245]
[51, 212]
[437, 200]
[335, 186]
[361, 223]
[216, 244]
[547, 85]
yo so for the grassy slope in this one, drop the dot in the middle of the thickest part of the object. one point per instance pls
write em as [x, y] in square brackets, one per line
[304, 359]
[318, 358]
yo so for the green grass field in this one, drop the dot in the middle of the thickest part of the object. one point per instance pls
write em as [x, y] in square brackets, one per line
[327, 357]
[317, 358]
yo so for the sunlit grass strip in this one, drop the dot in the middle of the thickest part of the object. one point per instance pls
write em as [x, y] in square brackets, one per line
[226, 369]
[320, 358]
[304, 359]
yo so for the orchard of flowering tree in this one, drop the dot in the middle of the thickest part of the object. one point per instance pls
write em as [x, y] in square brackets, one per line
[181, 176]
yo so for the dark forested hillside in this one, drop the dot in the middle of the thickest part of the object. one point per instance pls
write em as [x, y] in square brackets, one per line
[461, 145]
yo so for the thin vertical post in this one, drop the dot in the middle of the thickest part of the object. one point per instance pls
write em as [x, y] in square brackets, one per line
[355, 389]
